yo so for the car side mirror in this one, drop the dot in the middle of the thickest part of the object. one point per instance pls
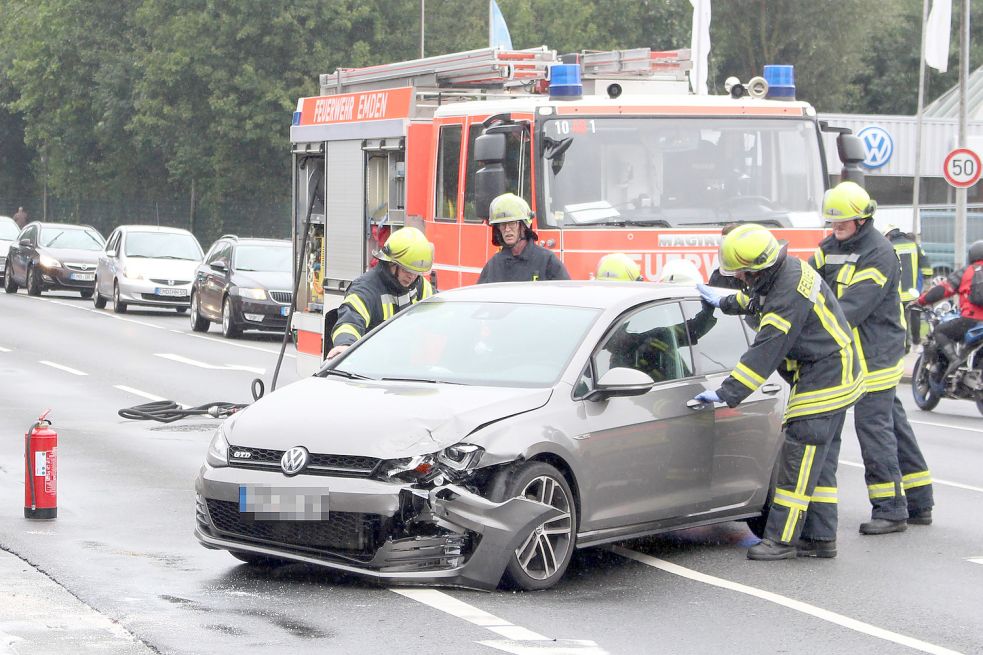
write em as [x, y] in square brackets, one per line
[621, 381]
[219, 265]
[25, 242]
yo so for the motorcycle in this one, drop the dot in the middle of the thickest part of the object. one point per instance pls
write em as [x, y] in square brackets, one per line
[966, 380]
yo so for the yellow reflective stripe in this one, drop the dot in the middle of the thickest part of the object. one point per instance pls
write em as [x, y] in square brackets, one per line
[860, 350]
[881, 490]
[820, 257]
[885, 378]
[926, 271]
[849, 397]
[805, 469]
[828, 319]
[871, 274]
[387, 311]
[359, 306]
[742, 299]
[844, 278]
[427, 289]
[776, 321]
[824, 495]
[346, 328]
[787, 498]
[919, 479]
[747, 377]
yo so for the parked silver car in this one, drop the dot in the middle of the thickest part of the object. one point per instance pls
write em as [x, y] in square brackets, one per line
[147, 265]
[489, 431]
[8, 234]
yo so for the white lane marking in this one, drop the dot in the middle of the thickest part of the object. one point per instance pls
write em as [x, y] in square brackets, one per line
[975, 560]
[784, 601]
[137, 392]
[61, 367]
[513, 633]
[214, 367]
[228, 342]
[944, 483]
[945, 425]
[98, 312]
[4, 350]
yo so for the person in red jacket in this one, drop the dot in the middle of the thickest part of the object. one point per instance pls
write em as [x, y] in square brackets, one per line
[949, 333]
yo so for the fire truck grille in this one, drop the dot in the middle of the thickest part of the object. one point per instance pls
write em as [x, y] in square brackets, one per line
[348, 531]
[282, 297]
[318, 464]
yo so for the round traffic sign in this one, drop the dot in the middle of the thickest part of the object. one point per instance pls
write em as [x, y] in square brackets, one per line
[962, 168]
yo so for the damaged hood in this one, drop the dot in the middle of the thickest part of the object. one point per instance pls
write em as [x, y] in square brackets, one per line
[371, 418]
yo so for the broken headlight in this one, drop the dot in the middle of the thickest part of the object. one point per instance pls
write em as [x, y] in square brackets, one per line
[460, 457]
[410, 469]
[450, 463]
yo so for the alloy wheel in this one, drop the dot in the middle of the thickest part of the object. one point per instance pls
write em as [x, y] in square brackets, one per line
[548, 544]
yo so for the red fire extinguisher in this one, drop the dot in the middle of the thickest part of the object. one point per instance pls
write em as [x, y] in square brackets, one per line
[41, 470]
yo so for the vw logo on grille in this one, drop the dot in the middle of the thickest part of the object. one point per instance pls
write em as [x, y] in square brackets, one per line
[294, 460]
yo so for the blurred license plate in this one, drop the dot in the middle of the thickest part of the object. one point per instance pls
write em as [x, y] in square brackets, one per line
[284, 311]
[83, 277]
[170, 292]
[268, 503]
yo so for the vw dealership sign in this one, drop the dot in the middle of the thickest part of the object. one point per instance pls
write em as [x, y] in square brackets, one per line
[878, 145]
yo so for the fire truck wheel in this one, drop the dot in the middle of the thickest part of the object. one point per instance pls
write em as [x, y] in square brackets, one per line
[198, 324]
[33, 281]
[118, 305]
[229, 328]
[8, 281]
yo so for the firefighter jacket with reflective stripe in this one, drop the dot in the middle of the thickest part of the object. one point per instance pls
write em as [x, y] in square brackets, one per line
[371, 299]
[915, 267]
[864, 273]
[957, 282]
[533, 263]
[802, 330]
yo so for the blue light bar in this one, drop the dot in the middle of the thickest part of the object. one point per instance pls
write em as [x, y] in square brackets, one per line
[296, 119]
[781, 82]
[565, 82]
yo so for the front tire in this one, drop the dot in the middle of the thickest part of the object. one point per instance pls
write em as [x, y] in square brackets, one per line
[544, 554]
[198, 323]
[229, 328]
[8, 280]
[119, 306]
[921, 390]
[34, 286]
[97, 300]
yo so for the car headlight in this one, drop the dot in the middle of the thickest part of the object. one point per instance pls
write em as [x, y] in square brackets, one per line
[252, 294]
[218, 449]
[132, 273]
[47, 261]
[410, 469]
[460, 457]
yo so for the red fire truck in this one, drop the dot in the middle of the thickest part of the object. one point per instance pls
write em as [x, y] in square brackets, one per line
[610, 149]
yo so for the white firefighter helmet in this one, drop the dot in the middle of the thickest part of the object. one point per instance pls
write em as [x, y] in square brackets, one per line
[680, 271]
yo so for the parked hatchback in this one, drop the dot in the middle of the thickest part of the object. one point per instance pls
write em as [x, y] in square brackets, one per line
[8, 234]
[245, 284]
[48, 256]
[147, 265]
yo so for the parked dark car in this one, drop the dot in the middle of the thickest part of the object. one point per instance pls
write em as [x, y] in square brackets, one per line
[49, 256]
[243, 284]
[8, 234]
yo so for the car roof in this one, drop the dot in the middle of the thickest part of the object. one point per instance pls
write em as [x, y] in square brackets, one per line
[153, 228]
[248, 241]
[70, 226]
[574, 293]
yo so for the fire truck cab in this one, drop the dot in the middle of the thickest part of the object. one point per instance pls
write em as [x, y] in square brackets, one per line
[610, 149]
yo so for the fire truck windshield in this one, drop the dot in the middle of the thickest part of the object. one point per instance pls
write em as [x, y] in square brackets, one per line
[676, 172]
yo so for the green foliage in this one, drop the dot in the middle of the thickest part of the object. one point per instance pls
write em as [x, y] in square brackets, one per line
[144, 101]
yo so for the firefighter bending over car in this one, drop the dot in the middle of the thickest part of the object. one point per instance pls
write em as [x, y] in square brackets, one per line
[385, 290]
[860, 265]
[805, 336]
[520, 259]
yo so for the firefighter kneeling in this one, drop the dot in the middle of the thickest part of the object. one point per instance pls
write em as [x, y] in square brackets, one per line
[803, 331]
[395, 284]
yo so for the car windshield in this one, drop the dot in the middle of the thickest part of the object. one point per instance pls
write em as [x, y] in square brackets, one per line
[671, 172]
[8, 230]
[267, 258]
[486, 344]
[162, 245]
[71, 237]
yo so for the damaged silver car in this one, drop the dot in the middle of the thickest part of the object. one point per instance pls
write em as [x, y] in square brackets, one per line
[484, 434]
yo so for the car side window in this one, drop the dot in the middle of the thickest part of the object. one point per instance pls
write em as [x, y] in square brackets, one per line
[113, 242]
[719, 339]
[652, 340]
[215, 252]
[28, 233]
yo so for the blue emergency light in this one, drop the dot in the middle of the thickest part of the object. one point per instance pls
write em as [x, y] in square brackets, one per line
[565, 82]
[781, 82]
[296, 118]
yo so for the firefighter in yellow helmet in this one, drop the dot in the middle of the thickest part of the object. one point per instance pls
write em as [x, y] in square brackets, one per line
[618, 267]
[916, 269]
[804, 335]
[396, 283]
[520, 258]
[861, 267]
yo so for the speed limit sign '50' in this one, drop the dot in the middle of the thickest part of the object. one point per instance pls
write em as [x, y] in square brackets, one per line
[962, 168]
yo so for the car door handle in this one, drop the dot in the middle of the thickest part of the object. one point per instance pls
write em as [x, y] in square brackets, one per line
[771, 389]
[697, 405]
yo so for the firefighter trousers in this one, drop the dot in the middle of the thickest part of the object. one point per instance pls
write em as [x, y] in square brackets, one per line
[916, 480]
[873, 419]
[805, 492]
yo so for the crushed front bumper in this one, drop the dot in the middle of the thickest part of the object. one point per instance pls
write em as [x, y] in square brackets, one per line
[458, 537]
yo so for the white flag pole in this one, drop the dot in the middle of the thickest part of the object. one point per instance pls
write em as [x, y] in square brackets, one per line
[916, 226]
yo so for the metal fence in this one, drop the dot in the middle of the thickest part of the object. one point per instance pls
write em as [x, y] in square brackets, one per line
[938, 227]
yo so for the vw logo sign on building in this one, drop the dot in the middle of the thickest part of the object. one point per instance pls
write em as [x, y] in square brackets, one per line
[878, 145]
[294, 460]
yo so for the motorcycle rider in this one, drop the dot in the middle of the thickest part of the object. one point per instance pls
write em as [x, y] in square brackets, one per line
[949, 333]
[862, 268]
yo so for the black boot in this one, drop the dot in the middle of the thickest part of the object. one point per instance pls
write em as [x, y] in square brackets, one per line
[949, 351]
[923, 517]
[883, 526]
[769, 550]
[811, 548]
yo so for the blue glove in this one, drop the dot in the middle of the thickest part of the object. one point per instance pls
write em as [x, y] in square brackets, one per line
[708, 295]
[708, 397]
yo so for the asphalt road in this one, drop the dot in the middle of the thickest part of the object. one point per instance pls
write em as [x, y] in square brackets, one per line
[123, 543]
